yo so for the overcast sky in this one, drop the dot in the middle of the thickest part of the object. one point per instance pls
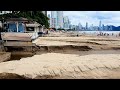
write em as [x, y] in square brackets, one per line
[93, 17]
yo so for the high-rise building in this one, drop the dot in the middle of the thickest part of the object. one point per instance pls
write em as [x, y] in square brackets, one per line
[91, 27]
[77, 28]
[74, 27]
[103, 27]
[66, 22]
[80, 26]
[86, 26]
[59, 19]
[100, 25]
[106, 28]
[53, 19]
[96, 28]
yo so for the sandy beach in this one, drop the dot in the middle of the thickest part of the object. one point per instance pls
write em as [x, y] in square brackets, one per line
[60, 56]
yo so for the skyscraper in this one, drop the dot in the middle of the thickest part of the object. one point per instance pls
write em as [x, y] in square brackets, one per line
[86, 26]
[103, 28]
[73, 27]
[100, 25]
[49, 21]
[59, 19]
[66, 22]
[80, 26]
[53, 19]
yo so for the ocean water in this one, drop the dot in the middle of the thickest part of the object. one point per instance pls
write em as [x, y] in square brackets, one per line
[98, 32]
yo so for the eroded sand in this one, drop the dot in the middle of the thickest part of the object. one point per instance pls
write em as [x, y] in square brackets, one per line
[70, 65]
[77, 41]
[63, 65]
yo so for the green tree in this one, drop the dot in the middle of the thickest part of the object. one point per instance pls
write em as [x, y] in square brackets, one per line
[37, 16]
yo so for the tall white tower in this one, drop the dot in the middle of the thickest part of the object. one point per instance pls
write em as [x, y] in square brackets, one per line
[53, 19]
[56, 19]
[59, 19]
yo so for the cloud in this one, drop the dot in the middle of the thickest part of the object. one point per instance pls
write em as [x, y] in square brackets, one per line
[93, 17]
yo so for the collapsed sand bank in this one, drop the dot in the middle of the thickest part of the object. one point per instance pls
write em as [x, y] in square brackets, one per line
[62, 48]
[77, 59]
[96, 43]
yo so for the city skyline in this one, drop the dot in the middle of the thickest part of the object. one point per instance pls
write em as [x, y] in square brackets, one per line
[93, 17]
[58, 20]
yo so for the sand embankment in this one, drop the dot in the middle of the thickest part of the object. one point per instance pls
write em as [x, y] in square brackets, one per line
[96, 43]
[74, 62]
